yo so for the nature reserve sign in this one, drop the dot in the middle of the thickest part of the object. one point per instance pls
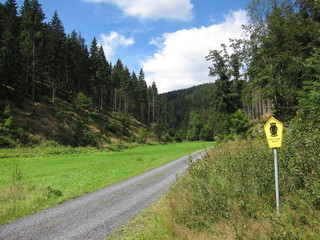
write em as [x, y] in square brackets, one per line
[274, 129]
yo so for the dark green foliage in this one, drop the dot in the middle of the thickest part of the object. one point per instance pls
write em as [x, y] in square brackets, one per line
[179, 136]
[226, 94]
[32, 45]
[281, 50]
[227, 89]
[163, 132]
[195, 126]
[143, 135]
[82, 102]
[165, 137]
[309, 104]
[302, 144]
[82, 136]
[10, 57]
[179, 104]
[239, 122]
[51, 193]
[220, 123]
[10, 135]
[281, 54]
[206, 133]
[157, 129]
[55, 55]
[7, 142]
[6, 129]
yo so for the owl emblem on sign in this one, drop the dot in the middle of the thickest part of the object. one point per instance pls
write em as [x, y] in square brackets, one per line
[273, 129]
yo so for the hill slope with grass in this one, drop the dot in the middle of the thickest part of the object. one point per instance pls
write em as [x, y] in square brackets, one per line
[65, 123]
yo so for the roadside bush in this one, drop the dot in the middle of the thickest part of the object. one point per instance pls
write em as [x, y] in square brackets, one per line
[193, 134]
[82, 136]
[143, 137]
[10, 136]
[157, 129]
[195, 126]
[239, 122]
[82, 103]
[165, 137]
[179, 136]
[206, 133]
[7, 142]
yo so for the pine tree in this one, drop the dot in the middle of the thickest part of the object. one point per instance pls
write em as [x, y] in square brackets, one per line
[94, 66]
[77, 64]
[56, 53]
[133, 97]
[116, 76]
[154, 95]
[30, 40]
[9, 51]
[142, 95]
[124, 86]
[103, 76]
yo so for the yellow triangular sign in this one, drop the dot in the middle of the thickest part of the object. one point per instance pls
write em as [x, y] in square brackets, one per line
[274, 129]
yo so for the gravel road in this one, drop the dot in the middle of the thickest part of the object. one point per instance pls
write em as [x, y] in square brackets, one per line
[95, 215]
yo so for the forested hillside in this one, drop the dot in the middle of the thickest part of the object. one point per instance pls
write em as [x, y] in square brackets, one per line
[183, 102]
[40, 64]
[40, 61]
[268, 70]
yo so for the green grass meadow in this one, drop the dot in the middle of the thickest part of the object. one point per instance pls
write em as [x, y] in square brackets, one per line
[35, 179]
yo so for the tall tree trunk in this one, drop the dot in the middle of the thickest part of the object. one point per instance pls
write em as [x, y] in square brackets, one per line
[149, 110]
[33, 75]
[125, 106]
[26, 79]
[101, 98]
[153, 109]
[53, 92]
[115, 101]
[141, 111]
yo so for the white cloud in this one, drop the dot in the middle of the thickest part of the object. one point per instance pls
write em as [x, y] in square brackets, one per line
[153, 9]
[111, 42]
[180, 62]
[157, 42]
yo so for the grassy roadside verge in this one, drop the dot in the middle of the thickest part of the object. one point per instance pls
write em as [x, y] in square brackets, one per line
[34, 182]
[230, 195]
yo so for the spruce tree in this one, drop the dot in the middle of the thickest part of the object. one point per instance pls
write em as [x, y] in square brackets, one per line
[9, 52]
[56, 54]
[30, 42]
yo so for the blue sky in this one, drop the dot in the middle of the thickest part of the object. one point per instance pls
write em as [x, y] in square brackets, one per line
[169, 39]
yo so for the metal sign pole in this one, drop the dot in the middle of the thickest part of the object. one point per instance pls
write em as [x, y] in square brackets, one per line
[274, 131]
[276, 170]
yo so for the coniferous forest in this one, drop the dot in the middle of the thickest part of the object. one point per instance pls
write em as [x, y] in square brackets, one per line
[271, 68]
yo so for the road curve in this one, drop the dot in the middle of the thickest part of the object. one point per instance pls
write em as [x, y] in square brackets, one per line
[95, 215]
